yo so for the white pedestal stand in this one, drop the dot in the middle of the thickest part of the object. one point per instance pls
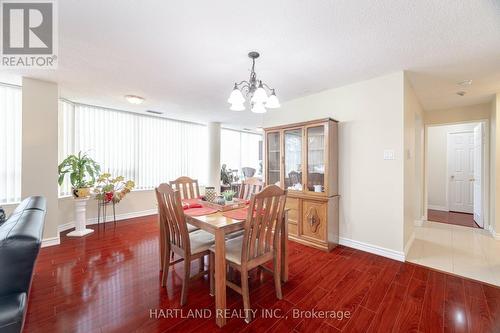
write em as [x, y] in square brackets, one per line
[80, 219]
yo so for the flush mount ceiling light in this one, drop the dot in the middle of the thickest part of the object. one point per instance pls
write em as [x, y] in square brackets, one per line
[465, 83]
[132, 99]
[260, 96]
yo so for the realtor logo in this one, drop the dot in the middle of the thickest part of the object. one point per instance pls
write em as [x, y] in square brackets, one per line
[29, 35]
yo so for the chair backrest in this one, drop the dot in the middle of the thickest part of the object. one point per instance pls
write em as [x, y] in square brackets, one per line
[187, 186]
[172, 216]
[265, 215]
[250, 186]
[248, 172]
[295, 177]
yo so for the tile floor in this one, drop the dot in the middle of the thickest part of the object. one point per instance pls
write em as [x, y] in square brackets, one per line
[468, 252]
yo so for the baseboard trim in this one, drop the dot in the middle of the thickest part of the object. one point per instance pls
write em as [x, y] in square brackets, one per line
[441, 208]
[119, 217]
[409, 244]
[378, 250]
[494, 234]
[419, 223]
[51, 241]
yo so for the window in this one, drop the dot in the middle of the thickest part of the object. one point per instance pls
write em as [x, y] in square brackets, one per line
[241, 149]
[148, 150]
[10, 144]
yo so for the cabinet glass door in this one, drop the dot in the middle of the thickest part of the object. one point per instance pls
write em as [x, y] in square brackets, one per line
[316, 159]
[273, 158]
[293, 159]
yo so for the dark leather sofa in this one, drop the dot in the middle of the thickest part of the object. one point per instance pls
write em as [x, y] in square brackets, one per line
[20, 241]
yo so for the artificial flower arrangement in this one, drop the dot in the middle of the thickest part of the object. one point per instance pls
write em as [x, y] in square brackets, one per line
[110, 189]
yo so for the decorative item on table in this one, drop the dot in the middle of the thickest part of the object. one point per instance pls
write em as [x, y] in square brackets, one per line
[229, 195]
[219, 200]
[110, 189]
[82, 171]
[210, 193]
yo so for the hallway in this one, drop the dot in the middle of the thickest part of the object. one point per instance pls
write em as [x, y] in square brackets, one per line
[455, 218]
[472, 253]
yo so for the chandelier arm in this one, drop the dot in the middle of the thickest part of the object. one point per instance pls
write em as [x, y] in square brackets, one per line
[265, 85]
[244, 82]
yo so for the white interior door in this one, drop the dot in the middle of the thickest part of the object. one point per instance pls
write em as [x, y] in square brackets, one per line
[461, 171]
[478, 179]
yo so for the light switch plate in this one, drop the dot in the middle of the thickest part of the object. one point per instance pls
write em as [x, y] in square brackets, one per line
[388, 154]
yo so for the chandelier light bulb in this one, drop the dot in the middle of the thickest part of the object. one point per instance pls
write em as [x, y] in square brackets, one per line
[260, 95]
[273, 101]
[236, 96]
[237, 107]
[258, 108]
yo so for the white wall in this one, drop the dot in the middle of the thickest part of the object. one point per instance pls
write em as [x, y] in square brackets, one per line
[437, 138]
[495, 165]
[413, 173]
[134, 204]
[39, 147]
[371, 120]
[459, 114]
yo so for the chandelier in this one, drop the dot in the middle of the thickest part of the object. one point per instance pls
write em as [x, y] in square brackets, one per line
[254, 90]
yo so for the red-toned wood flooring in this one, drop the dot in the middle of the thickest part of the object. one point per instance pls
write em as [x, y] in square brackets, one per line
[456, 218]
[109, 281]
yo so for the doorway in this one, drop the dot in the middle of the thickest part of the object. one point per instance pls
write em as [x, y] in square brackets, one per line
[456, 165]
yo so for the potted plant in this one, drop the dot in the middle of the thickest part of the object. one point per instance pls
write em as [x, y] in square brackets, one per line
[228, 195]
[82, 171]
[110, 189]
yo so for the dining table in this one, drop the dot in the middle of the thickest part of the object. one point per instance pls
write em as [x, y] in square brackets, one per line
[220, 226]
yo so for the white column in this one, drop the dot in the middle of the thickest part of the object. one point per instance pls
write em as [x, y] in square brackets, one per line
[214, 155]
[39, 148]
[80, 219]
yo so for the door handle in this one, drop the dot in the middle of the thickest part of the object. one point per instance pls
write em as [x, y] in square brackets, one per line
[472, 180]
[452, 177]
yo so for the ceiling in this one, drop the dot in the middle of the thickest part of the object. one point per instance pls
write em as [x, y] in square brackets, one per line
[184, 56]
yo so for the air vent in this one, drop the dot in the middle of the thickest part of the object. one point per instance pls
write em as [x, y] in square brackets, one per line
[154, 112]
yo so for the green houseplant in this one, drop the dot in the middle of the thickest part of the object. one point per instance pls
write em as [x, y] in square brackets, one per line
[228, 195]
[82, 171]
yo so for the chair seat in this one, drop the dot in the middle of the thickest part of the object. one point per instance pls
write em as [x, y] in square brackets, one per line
[200, 241]
[233, 250]
[191, 228]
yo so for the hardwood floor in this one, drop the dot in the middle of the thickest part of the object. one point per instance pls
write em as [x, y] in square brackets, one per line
[463, 219]
[110, 282]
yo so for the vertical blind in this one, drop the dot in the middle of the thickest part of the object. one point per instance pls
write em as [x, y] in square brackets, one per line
[241, 149]
[10, 144]
[148, 150]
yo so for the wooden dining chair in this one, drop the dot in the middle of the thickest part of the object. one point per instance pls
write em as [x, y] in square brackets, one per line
[248, 172]
[259, 244]
[187, 186]
[250, 186]
[188, 246]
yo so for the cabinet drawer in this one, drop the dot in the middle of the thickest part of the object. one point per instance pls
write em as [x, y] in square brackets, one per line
[314, 220]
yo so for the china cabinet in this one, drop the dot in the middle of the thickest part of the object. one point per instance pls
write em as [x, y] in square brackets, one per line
[303, 158]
